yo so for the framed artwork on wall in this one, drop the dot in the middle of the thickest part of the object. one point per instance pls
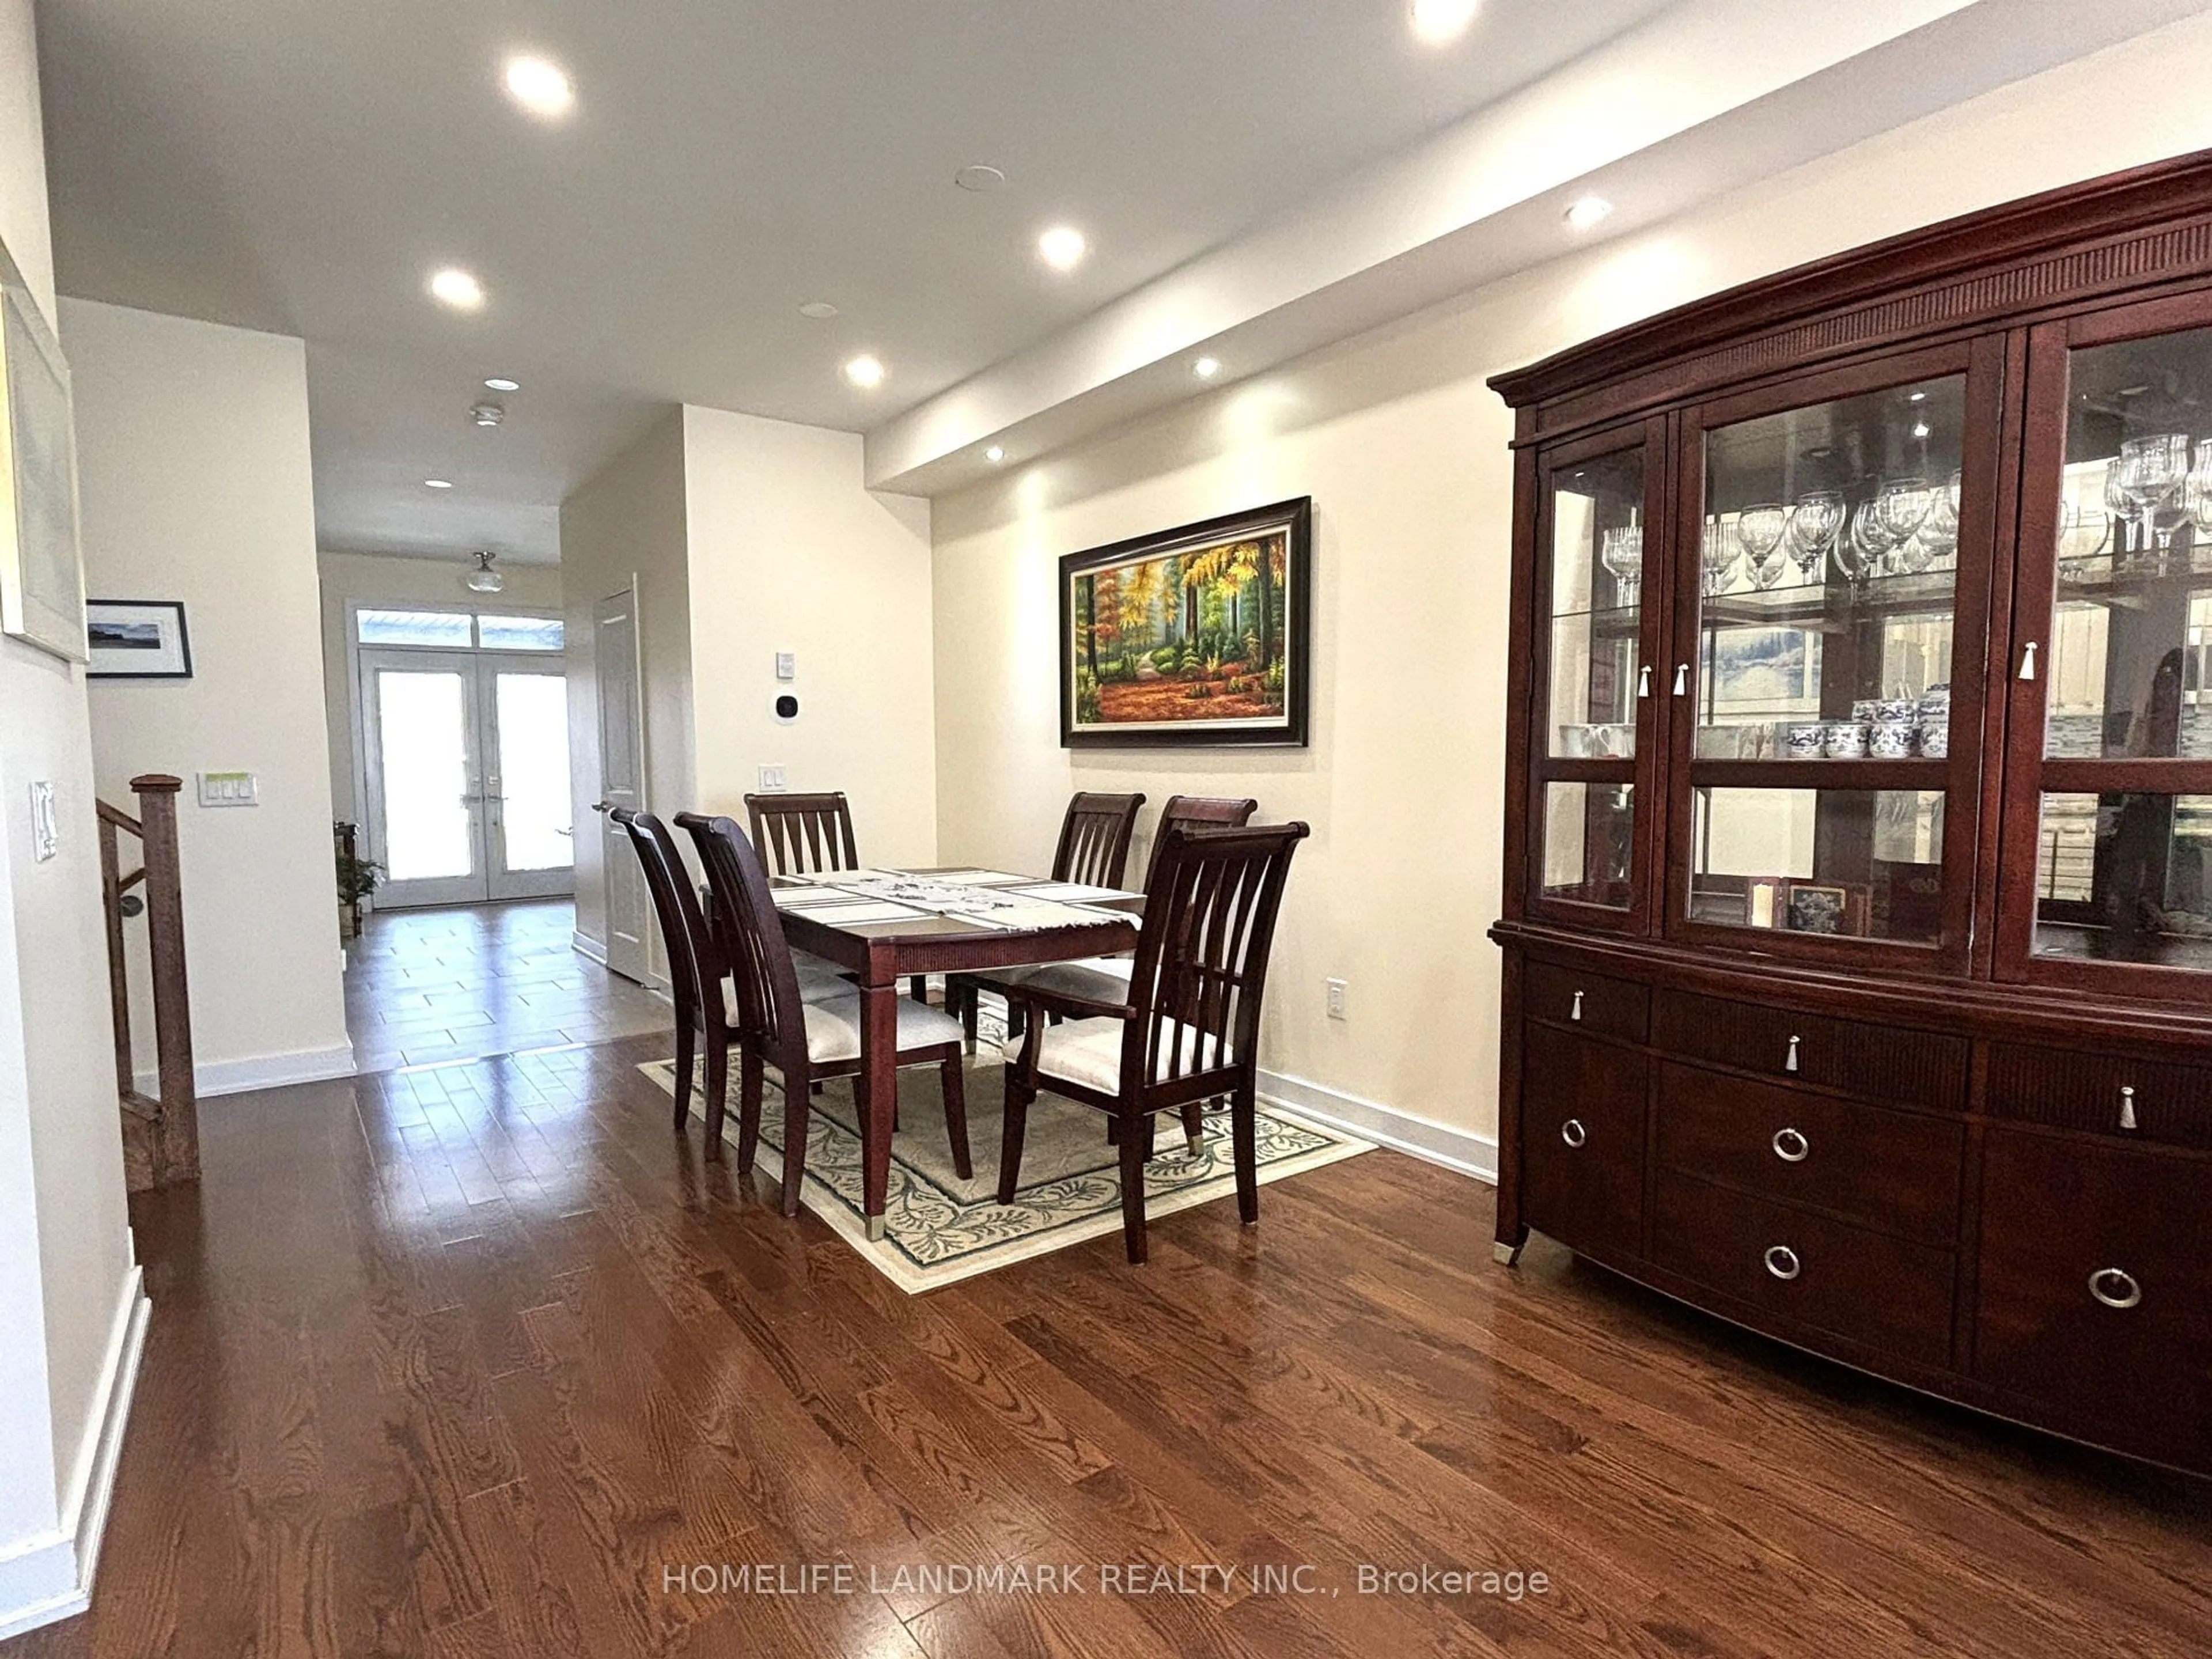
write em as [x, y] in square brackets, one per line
[41, 575]
[1192, 637]
[137, 639]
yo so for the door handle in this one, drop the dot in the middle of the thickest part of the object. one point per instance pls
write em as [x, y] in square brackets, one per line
[1681, 679]
[602, 806]
[1644, 681]
[2027, 661]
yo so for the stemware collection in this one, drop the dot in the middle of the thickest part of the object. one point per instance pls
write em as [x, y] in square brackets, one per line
[1907, 526]
[2155, 486]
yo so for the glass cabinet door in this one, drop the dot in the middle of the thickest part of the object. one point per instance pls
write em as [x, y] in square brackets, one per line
[1834, 563]
[2112, 753]
[1597, 539]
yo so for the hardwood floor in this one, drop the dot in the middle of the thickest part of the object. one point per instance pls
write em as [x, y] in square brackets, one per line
[425, 987]
[461, 1362]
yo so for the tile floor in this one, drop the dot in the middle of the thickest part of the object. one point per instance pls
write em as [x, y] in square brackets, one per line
[425, 987]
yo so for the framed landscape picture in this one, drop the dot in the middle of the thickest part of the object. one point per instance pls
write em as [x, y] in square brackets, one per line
[137, 639]
[41, 578]
[1196, 636]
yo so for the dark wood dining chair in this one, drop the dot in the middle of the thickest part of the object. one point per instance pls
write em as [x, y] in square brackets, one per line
[695, 963]
[1189, 1030]
[803, 834]
[807, 1042]
[1093, 850]
[818, 980]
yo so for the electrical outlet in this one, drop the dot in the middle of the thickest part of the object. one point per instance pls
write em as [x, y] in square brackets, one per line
[771, 779]
[1340, 998]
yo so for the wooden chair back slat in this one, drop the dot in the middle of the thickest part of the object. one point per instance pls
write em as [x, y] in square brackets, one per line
[1094, 839]
[1196, 813]
[803, 834]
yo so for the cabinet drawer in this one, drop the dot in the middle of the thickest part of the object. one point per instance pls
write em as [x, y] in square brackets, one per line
[1604, 1007]
[1883, 1062]
[2171, 1104]
[2069, 1230]
[1583, 1112]
[1889, 1294]
[1891, 1170]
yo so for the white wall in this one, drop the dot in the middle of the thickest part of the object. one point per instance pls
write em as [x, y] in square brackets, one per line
[789, 551]
[70, 1309]
[1404, 451]
[368, 579]
[195, 483]
[627, 521]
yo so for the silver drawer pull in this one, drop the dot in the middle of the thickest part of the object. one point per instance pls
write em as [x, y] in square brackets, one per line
[1782, 1262]
[1789, 1061]
[2027, 661]
[1575, 1013]
[2114, 1288]
[1791, 1145]
[2127, 1108]
[1681, 679]
[1572, 1131]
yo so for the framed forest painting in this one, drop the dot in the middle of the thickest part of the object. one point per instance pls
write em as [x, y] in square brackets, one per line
[1193, 636]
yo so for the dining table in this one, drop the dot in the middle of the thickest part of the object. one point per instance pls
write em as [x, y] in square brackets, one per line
[885, 926]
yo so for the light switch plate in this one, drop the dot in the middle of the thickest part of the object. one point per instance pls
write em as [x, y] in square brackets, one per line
[45, 828]
[786, 665]
[771, 778]
[228, 789]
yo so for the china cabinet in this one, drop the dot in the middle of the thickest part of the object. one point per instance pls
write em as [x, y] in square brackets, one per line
[1858, 900]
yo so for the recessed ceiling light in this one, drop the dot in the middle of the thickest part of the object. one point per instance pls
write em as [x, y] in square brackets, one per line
[979, 178]
[437, 483]
[542, 88]
[1586, 211]
[818, 311]
[501, 383]
[864, 371]
[454, 287]
[1062, 247]
[1917, 398]
[1441, 21]
[487, 413]
[995, 453]
[1207, 367]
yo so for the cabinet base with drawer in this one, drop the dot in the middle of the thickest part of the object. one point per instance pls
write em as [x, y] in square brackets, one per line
[1993, 1198]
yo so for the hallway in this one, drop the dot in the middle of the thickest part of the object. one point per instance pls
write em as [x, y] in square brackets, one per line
[424, 988]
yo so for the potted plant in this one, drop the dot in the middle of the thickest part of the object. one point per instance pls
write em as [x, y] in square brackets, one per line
[357, 879]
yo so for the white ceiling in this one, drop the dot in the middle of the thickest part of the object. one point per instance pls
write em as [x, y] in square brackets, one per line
[300, 166]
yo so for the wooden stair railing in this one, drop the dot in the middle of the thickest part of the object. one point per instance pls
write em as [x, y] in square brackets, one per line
[160, 1137]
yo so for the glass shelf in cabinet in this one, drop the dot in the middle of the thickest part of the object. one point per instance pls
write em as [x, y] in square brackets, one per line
[1917, 773]
[1928, 593]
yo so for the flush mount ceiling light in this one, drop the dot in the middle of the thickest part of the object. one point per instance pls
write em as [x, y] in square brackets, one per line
[995, 453]
[1062, 247]
[487, 413]
[978, 177]
[540, 86]
[865, 372]
[456, 288]
[818, 311]
[1439, 22]
[484, 579]
[1207, 367]
[437, 483]
[1586, 211]
[501, 383]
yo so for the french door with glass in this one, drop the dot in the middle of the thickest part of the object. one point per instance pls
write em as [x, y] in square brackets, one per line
[467, 757]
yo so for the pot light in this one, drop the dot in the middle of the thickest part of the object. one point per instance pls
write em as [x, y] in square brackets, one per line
[1587, 210]
[437, 483]
[1062, 247]
[501, 383]
[484, 579]
[1916, 397]
[487, 413]
[456, 288]
[542, 88]
[818, 311]
[1207, 367]
[995, 453]
[978, 178]
[1439, 22]
[865, 372]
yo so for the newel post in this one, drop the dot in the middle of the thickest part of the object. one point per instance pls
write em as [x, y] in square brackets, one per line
[179, 1149]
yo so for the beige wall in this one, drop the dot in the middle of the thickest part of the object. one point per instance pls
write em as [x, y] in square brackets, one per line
[350, 579]
[790, 552]
[68, 1284]
[195, 481]
[628, 521]
[1403, 449]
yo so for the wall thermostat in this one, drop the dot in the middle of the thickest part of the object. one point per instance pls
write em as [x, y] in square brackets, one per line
[786, 708]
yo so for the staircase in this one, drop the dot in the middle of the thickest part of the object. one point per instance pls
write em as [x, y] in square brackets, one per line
[160, 1136]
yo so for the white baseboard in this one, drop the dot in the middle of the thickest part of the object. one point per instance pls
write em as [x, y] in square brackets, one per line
[238, 1076]
[1433, 1143]
[585, 946]
[51, 1577]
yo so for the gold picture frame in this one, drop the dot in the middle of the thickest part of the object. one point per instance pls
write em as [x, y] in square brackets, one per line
[41, 560]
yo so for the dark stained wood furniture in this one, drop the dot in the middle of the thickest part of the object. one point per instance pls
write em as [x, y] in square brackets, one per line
[810, 1039]
[1189, 1032]
[160, 1136]
[697, 964]
[801, 835]
[1905, 1059]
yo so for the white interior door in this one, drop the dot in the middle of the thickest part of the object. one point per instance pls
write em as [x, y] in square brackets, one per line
[621, 782]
